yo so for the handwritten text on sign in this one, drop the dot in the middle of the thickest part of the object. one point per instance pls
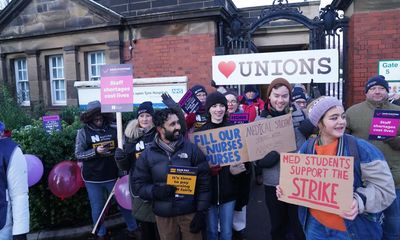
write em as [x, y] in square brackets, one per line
[246, 142]
[317, 181]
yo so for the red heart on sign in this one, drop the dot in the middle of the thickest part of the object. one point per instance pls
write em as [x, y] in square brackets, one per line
[227, 68]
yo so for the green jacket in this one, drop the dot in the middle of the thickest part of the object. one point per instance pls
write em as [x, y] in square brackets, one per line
[359, 119]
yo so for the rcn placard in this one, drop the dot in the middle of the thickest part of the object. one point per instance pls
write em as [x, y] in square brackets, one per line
[261, 68]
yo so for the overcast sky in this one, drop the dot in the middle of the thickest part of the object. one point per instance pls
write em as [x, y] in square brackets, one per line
[251, 3]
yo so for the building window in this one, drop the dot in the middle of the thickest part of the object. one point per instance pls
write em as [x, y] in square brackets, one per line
[57, 81]
[21, 79]
[95, 60]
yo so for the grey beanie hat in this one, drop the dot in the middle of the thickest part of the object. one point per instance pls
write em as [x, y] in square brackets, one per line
[320, 106]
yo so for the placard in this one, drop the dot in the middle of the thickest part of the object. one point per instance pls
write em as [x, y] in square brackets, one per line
[390, 69]
[317, 181]
[51, 123]
[261, 68]
[238, 118]
[116, 88]
[183, 178]
[189, 102]
[246, 142]
[384, 124]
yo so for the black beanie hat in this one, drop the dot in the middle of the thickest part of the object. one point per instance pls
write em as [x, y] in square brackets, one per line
[377, 80]
[298, 93]
[214, 98]
[197, 89]
[145, 107]
[250, 88]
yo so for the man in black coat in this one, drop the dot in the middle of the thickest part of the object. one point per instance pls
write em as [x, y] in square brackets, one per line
[176, 214]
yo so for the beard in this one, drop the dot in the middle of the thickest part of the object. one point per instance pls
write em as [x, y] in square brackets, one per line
[172, 135]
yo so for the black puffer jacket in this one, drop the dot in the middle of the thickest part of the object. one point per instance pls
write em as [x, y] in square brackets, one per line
[152, 169]
[226, 187]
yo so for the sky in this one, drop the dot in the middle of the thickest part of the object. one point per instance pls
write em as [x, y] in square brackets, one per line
[252, 3]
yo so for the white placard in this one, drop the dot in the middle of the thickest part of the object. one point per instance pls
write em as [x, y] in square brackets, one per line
[261, 68]
[390, 69]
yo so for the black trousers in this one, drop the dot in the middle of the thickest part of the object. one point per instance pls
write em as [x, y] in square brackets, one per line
[148, 231]
[283, 217]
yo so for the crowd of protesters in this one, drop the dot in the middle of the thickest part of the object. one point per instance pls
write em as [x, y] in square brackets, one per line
[157, 140]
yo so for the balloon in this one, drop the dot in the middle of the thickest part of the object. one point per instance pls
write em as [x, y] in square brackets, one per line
[122, 193]
[64, 179]
[35, 169]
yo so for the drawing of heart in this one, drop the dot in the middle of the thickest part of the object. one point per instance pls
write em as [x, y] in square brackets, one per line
[226, 68]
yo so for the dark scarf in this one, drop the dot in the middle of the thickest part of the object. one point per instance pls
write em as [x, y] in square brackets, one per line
[167, 147]
[270, 111]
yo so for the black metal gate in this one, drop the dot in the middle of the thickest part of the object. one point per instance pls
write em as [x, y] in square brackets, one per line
[327, 31]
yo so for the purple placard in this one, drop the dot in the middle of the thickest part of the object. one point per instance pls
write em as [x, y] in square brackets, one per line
[189, 102]
[237, 118]
[384, 124]
[51, 123]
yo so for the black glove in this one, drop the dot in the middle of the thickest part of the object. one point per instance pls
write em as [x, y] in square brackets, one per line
[168, 101]
[20, 237]
[198, 222]
[163, 192]
[122, 160]
[269, 160]
[306, 128]
[213, 84]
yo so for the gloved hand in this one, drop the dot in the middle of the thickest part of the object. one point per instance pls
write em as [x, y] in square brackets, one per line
[163, 192]
[121, 159]
[269, 160]
[306, 128]
[198, 222]
[214, 170]
[236, 169]
[168, 101]
[19, 237]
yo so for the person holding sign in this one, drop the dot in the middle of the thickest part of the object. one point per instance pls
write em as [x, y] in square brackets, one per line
[282, 215]
[250, 102]
[180, 200]
[196, 120]
[94, 148]
[373, 183]
[225, 181]
[359, 118]
[139, 134]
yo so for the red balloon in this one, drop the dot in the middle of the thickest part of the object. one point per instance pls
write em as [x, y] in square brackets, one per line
[64, 179]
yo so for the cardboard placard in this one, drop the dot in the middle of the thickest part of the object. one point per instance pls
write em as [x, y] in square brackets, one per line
[183, 178]
[189, 102]
[384, 124]
[246, 142]
[317, 181]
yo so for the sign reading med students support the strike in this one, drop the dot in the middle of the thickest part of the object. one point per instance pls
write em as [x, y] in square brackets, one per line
[116, 88]
[317, 181]
[384, 125]
[246, 142]
[261, 68]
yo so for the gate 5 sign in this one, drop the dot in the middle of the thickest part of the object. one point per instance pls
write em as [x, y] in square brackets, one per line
[317, 181]
[262, 68]
[390, 69]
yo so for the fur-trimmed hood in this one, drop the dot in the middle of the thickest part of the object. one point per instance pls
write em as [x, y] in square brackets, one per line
[133, 130]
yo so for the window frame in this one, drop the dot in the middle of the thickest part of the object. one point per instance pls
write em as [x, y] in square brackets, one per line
[96, 64]
[54, 79]
[24, 71]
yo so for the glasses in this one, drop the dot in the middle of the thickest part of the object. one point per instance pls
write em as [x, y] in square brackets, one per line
[232, 102]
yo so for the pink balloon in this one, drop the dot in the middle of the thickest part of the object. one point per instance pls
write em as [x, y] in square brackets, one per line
[122, 193]
[35, 169]
[64, 179]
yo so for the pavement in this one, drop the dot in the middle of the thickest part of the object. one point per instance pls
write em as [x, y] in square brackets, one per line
[257, 223]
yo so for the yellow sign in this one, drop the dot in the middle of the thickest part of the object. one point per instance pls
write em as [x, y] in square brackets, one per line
[183, 178]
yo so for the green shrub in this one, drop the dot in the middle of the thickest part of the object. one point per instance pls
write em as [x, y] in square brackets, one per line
[11, 113]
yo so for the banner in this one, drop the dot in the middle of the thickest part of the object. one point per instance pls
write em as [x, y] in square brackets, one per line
[116, 88]
[261, 68]
[317, 181]
[246, 142]
[384, 124]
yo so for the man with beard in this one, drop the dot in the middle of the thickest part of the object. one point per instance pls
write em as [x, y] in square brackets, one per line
[176, 214]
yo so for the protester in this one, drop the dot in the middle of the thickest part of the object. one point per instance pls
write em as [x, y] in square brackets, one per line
[139, 134]
[175, 215]
[373, 183]
[14, 208]
[359, 118]
[251, 102]
[299, 98]
[225, 181]
[283, 216]
[196, 120]
[239, 216]
[95, 146]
